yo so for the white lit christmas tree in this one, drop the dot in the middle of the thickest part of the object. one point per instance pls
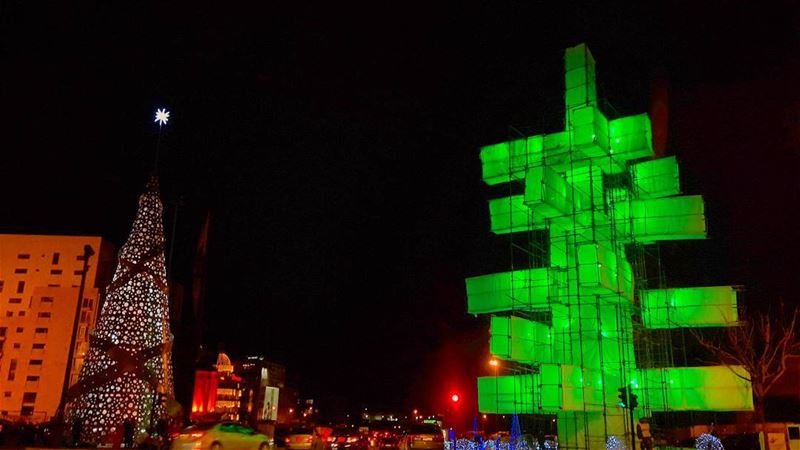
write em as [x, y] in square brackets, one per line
[128, 368]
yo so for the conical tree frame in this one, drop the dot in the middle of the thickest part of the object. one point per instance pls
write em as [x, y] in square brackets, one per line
[127, 373]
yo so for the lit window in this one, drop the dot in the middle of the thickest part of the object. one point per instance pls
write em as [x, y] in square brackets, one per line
[12, 370]
[56, 256]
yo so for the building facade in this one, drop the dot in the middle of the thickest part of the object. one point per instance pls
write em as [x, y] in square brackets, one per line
[250, 391]
[40, 279]
[263, 381]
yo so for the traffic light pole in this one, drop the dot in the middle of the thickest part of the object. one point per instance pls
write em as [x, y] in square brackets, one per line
[88, 252]
[629, 401]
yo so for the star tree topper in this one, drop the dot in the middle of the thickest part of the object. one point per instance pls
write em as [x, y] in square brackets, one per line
[162, 116]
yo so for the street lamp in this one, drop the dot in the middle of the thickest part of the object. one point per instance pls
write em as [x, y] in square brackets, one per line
[88, 252]
[494, 362]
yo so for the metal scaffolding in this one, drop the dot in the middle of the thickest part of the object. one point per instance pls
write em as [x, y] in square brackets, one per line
[584, 310]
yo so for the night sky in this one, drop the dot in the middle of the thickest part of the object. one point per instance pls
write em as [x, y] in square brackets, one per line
[335, 147]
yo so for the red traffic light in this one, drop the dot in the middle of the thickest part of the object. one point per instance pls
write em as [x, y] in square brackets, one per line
[455, 398]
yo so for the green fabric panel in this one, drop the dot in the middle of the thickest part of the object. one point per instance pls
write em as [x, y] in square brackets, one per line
[588, 184]
[510, 215]
[495, 163]
[579, 77]
[556, 148]
[506, 394]
[656, 178]
[712, 388]
[669, 218]
[582, 389]
[602, 271]
[631, 137]
[589, 129]
[547, 193]
[522, 289]
[521, 340]
[508, 160]
[714, 306]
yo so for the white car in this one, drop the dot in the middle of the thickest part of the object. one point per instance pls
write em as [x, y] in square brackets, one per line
[220, 436]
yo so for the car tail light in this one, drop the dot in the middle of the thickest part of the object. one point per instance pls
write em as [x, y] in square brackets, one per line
[352, 439]
[193, 435]
[309, 438]
[331, 439]
[288, 440]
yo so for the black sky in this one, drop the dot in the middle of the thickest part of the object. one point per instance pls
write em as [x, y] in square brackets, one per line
[336, 149]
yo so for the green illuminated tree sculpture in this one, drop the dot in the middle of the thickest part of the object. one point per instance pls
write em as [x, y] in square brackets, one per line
[597, 192]
[128, 368]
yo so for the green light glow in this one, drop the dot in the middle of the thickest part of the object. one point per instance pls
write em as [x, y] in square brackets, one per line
[510, 215]
[631, 137]
[696, 389]
[596, 188]
[521, 289]
[517, 339]
[689, 307]
[669, 218]
[506, 160]
[656, 178]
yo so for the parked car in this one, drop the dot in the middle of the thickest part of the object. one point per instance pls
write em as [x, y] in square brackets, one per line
[220, 436]
[422, 437]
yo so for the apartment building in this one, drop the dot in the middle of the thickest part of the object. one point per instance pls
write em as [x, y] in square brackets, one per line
[40, 280]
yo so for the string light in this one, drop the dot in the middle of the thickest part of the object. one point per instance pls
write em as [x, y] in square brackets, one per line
[614, 443]
[708, 442]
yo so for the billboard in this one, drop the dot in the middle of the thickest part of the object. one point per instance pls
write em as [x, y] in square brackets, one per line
[269, 410]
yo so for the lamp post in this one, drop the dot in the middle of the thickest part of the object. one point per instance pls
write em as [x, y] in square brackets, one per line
[88, 252]
[496, 365]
